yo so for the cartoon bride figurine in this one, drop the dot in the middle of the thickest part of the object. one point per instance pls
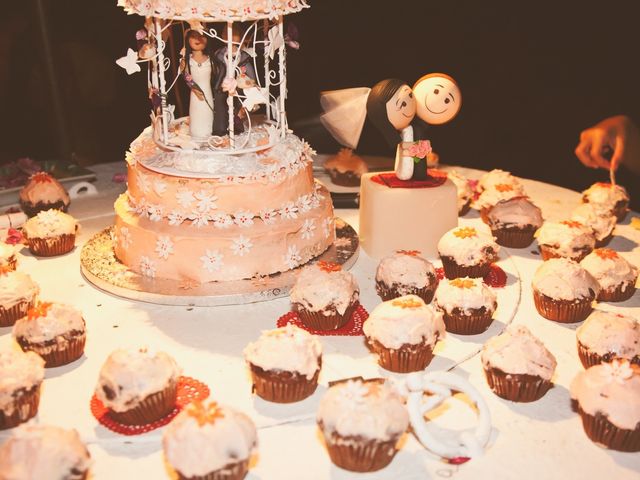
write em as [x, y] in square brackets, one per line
[199, 72]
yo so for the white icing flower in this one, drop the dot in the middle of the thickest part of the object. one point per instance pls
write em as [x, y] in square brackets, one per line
[147, 267]
[176, 217]
[205, 201]
[185, 198]
[305, 202]
[308, 228]
[154, 212]
[289, 210]
[143, 182]
[355, 391]
[243, 218]
[268, 216]
[212, 261]
[141, 208]
[315, 200]
[292, 257]
[124, 237]
[159, 187]
[164, 247]
[241, 246]
[222, 220]
[618, 370]
[327, 224]
[199, 219]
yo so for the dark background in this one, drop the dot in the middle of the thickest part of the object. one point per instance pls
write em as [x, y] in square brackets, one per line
[532, 74]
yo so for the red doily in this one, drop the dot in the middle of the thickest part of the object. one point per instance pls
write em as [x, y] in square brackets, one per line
[496, 278]
[189, 390]
[352, 328]
[435, 179]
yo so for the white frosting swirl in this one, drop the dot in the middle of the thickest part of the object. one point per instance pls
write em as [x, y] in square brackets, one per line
[605, 196]
[565, 238]
[601, 223]
[405, 271]
[50, 223]
[58, 320]
[16, 287]
[19, 370]
[466, 249]
[517, 211]
[497, 193]
[497, 177]
[606, 332]
[610, 269]
[564, 279]
[318, 290]
[465, 192]
[466, 294]
[518, 352]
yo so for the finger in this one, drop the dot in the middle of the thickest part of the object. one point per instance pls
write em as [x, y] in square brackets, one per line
[582, 152]
[618, 153]
[595, 152]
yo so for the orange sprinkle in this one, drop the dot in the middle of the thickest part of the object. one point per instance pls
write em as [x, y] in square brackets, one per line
[329, 266]
[411, 253]
[202, 414]
[465, 232]
[571, 223]
[4, 269]
[41, 177]
[606, 253]
[504, 187]
[39, 310]
[462, 283]
[406, 303]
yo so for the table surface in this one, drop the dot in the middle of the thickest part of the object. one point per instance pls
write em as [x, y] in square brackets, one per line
[543, 439]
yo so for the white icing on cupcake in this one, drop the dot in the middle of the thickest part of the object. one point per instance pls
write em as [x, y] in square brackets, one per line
[612, 389]
[16, 287]
[19, 370]
[467, 245]
[289, 349]
[132, 375]
[58, 319]
[466, 293]
[405, 271]
[566, 238]
[362, 409]
[320, 290]
[43, 452]
[205, 438]
[518, 352]
[404, 320]
[564, 279]
[7, 253]
[465, 192]
[605, 196]
[496, 177]
[43, 188]
[50, 223]
[497, 193]
[610, 269]
[606, 332]
[515, 212]
[601, 223]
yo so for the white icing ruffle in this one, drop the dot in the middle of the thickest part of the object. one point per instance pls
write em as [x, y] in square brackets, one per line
[59, 319]
[405, 271]
[467, 250]
[497, 177]
[318, 290]
[450, 296]
[50, 223]
[566, 237]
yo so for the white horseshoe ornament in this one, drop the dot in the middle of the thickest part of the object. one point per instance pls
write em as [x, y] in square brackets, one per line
[468, 444]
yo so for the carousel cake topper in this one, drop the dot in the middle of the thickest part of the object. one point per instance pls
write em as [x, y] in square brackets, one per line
[391, 106]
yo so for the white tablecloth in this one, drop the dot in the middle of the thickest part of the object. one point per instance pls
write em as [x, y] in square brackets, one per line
[540, 440]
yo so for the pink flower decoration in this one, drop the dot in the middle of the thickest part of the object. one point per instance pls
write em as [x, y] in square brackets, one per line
[14, 237]
[420, 149]
[119, 178]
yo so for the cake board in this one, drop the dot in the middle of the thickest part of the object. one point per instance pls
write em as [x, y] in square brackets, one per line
[102, 269]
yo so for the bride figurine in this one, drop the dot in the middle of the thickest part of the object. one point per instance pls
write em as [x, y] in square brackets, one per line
[199, 72]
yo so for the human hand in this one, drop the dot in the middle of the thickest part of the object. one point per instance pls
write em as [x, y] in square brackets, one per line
[616, 133]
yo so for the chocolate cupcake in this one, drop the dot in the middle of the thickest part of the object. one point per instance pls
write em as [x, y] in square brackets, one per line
[362, 423]
[403, 333]
[465, 192]
[285, 364]
[563, 291]
[514, 222]
[406, 273]
[495, 194]
[324, 296]
[616, 277]
[345, 168]
[467, 252]
[467, 305]
[18, 293]
[601, 223]
[606, 336]
[517, 365]
[608, 199]
[44, 452]
[22, 375]
[50, 233]
[567, 239]
[137, 386]
[43, 192]
[607, 397]
[8, 257]
[208, 441]
[54, 331]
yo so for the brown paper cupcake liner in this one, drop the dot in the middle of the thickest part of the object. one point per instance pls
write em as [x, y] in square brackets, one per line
[387, 293]
[151, 408]
[51, 247]
[31, 209]
[232, 471]
[25, 407]
[516, 387]
[318, 321]
[283, 387]
[548, 253]
[357, 454]
[601, 431]
[468, 324]
[620, 210]
[453, 270]
[604, 242]
[9, 316]
[407, 358]
[70, 351]
[514, 237]
[563, 311]
[589, 358]
[618, 294]
[465, 209]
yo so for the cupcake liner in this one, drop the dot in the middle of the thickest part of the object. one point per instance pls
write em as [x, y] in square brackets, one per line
[318, 321]
[604, 242]
[563, 311]
[620, 210]
[548, 253]
[25, 407]
[231, 471]
[465, 209]
[358, 454]
[514, 237]
[407, 358]
[151, 408]
[387, 293]
[453, 270]
[477, 321]
[617, 294]
[601, 431]
[521, 388]
[51, 247]
[57, 355]
[589, 358]
[9, 316]
[31, 209]
[283, 387]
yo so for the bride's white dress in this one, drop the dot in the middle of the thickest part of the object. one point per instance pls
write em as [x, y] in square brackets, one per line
[201, 114]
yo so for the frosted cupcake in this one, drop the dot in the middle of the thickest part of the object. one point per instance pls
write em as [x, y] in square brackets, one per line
[467, 304]
[54, 331]
[18, 293]
[608, 199]
[22, 375]
[517, 365]
[138, 386]
[403, 333]
[514, 222]
[362, 423]
[345, 168]
[208, 441]
[324, 296]
[498, 177]
[406, 273]
[495, 194]
[607, 336]
[563, 291]
[467, 252]
[50, 233]
[285, 364]
[465, 192]
[607, 396]
[616, 276]
[8, 256]
[601, 223]
[43, 192]
[44, 452]
[568, 239]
